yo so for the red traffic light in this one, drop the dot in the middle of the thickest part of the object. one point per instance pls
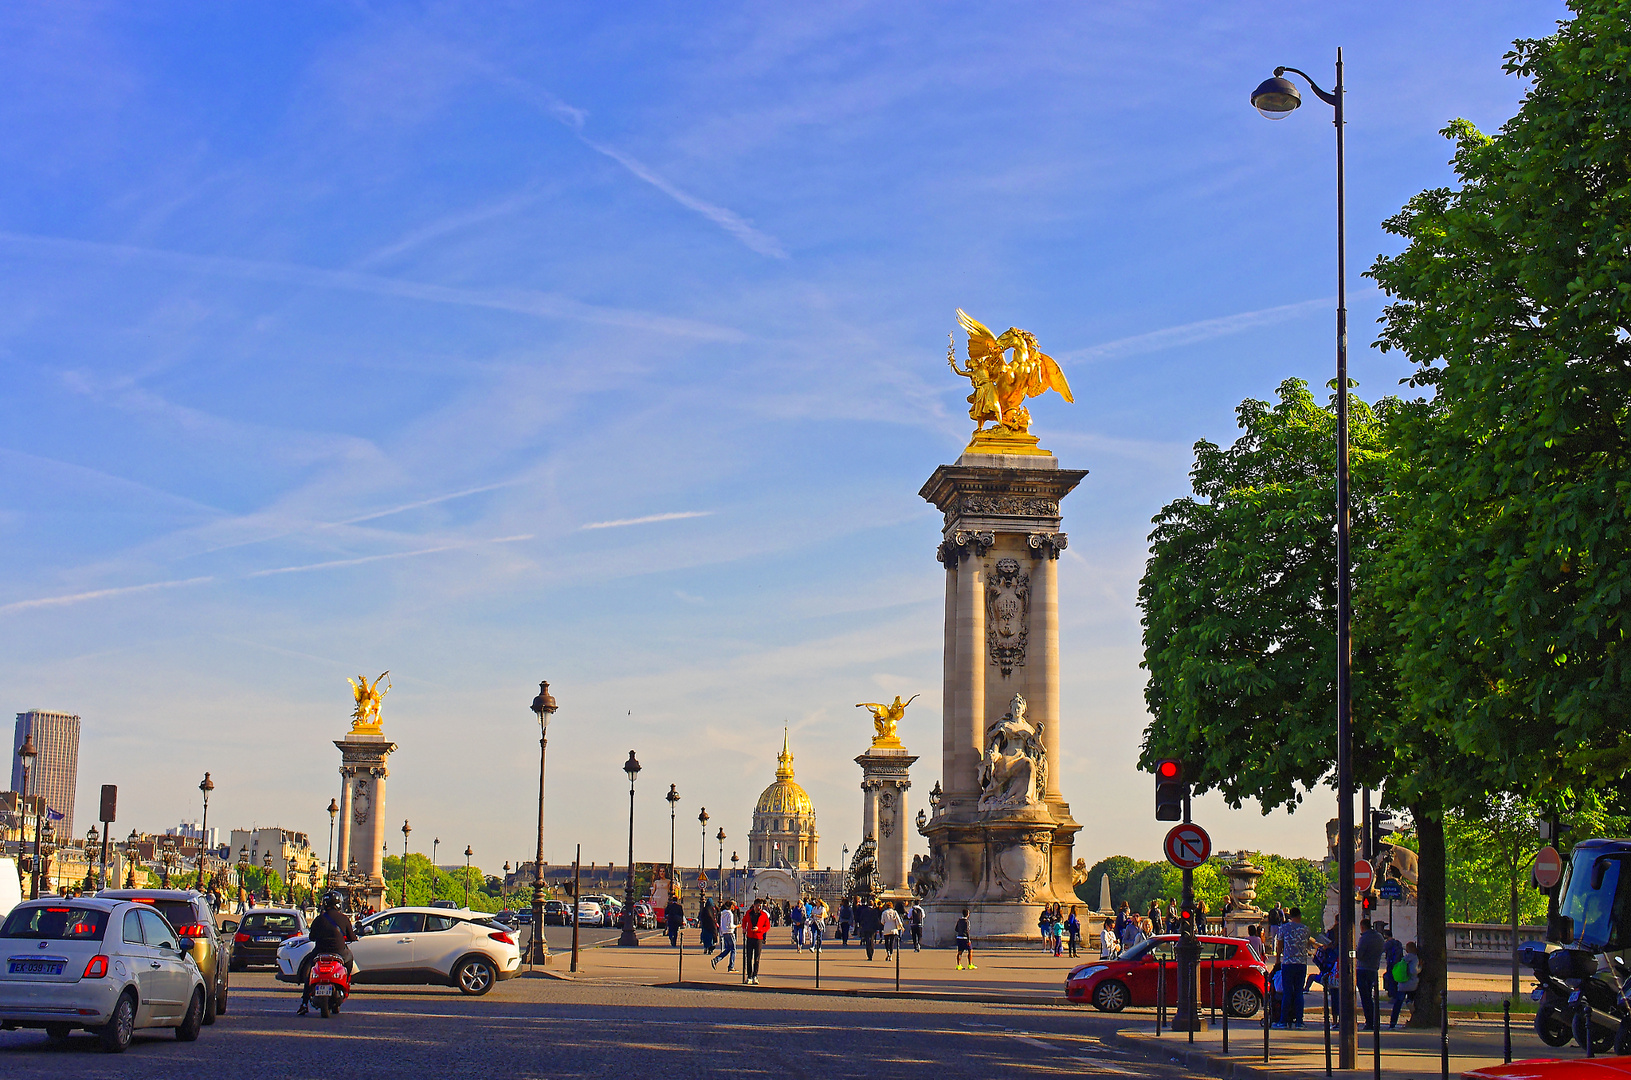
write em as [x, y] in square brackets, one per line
[1169, 769]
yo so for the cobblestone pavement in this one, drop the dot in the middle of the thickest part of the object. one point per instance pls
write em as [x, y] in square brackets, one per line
[538, 1027]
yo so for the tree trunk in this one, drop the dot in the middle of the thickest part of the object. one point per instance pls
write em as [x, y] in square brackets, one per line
[1430, 897]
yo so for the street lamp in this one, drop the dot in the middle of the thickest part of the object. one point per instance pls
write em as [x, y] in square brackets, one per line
[504, 887]
[133, 851]
[543, 706]
[719, 880]
[333, 809]
[673, 798]
[26, 754]
[49, 837]
[93, 836]
[1276, 98]
[434, 844]
[702, 863]
[406, 829]
[206, 786]
[632, 767]
[467, 853]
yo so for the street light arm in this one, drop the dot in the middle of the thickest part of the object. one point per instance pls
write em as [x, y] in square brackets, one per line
[1329, 99]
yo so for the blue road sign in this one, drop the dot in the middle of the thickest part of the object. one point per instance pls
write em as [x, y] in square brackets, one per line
[1390, 889]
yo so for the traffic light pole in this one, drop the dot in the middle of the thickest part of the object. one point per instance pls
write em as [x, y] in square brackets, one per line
[1187, 1016]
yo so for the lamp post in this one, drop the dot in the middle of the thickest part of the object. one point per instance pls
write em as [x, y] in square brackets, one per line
[504, 887]
[243, 875]
[333, 809]
[266, 877]
[26, 754]
[543, 706]
[467, 853]
[93, 836]
[1276, 98]
[733, 875]
[632, 767]
[44, 854]
[673, 798]
[719, 879]
[205, 786]
[406, 829]
[133, 851]
[702, 860]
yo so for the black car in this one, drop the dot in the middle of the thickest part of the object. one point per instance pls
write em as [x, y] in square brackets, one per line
[555, 913]
[260, 932]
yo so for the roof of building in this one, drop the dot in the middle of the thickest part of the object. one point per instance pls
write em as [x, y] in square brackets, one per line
[784, 796]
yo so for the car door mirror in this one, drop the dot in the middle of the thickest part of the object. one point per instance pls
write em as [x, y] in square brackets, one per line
[229, 927]
[184, 949]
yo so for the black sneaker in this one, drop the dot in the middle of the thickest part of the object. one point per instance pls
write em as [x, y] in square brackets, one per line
[303, 1010]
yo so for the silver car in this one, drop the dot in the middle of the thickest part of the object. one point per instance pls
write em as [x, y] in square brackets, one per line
[436, 946]
[109, 966]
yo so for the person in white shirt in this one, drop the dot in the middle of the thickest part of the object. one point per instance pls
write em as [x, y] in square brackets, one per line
[891, 931]
[1109, 944]
[727, 936]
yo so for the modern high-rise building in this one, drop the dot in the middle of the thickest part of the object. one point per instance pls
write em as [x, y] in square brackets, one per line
[55, 775]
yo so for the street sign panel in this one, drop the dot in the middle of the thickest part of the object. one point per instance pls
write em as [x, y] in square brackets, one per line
[1363, 875]
[1548, 867]
[1187, 846]
[1390, 889]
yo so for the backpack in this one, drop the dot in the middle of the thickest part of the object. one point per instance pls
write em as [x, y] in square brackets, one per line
[1400, 973]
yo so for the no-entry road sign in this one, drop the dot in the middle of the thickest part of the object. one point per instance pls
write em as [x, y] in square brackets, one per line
[1363, 875]
[1188, 846]
[1548, 867]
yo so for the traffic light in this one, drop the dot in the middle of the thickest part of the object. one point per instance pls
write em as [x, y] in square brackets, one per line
[1381, 824]
[1170, 790]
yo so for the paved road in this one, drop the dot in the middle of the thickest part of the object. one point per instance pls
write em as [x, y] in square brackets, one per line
[537, 1027]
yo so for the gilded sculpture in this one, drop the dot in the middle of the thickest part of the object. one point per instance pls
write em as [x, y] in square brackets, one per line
[1001, 384]
[887, 718]
[365, 717]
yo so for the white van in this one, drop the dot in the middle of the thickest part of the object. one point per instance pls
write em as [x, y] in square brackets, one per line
[11, 885]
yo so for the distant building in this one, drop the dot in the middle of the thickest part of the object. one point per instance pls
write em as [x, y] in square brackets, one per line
[189, 830]
[55, 775]
[784, 828]
[289, 850]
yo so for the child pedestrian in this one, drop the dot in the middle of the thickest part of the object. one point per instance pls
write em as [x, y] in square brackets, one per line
[965, 943]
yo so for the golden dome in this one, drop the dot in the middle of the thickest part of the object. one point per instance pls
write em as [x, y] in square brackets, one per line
[784, 796]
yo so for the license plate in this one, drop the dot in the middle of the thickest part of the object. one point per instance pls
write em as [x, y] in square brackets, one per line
[36, 967]
[1537, 993]
[268, 940]
[325, 990]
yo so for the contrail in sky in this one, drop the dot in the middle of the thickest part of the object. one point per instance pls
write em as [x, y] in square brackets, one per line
[647, 520]
[1196, 332]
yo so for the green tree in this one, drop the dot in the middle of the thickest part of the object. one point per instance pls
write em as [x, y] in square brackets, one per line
[1119, 868]
[1510, 583]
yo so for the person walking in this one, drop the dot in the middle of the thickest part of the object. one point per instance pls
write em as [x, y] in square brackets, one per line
[1367, 968]
[867, 924]
[727, 937]
[1392, 953]
[1254, 942]
[1109, 943]
[1295, 947]
[1123, 917]
[673, 920]
[1073, 927]
[846, 918]
[1044, 926]
[1132, 933]
[915, 918]
[815, 923]
[965, 941]
[708, 925]
[891, 923]
[1154, 915]
[795, 916]
[1406, 978]
[755, 925]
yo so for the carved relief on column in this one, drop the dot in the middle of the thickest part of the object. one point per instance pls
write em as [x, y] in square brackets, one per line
[960, 545]
[1007, 615]
[1047, 544]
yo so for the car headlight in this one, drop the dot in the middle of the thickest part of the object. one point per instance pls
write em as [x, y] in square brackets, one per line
[1087, 973]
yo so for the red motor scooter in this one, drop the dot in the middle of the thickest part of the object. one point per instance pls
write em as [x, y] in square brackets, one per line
[329, 982]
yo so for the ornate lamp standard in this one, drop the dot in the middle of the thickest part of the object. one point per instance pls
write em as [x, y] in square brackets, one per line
[673, 798]
[702, 862]
[504, 887]
[543, 706]
[133, 851]
[243, 875]
[733, 875]
[333, 809]
[266, 877]
[93, 836]
[1277, 98]
[632, 767]
[206, 786]
[26, 754]
[719, 880]
[406, 829]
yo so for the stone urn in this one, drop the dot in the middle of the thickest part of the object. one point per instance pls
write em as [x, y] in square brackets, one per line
[1243, 882]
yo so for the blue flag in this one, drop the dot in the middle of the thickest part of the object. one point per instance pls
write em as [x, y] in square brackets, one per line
[52, 815]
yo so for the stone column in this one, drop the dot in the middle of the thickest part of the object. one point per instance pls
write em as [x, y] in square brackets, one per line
[968, 718]
[884, 780]
[869, 808]
[949, 678]
[377, 848]
[344, 852]
[1043, 681]
[363, 755]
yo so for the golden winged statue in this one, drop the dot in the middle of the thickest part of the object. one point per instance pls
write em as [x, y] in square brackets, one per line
[365, 717]
[887, 718]
[1001, 385]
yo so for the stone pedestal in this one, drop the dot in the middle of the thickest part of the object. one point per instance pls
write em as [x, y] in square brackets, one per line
[362, 814]
[884, 780]
[1001, 834]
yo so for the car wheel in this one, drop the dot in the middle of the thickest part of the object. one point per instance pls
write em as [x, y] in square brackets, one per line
[116, 1033]
[58, 1032]
[209, 1007]
[193, 1022]
[221, 1002]
[475, 976]
[1110, 996]
[1244, 1001]
[1552, 1026]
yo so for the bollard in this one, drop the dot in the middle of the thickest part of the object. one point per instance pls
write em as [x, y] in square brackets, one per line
[818, 963]
[1268, 1000]
[897, 963]
[1444, 1034]
[1225, 1023]
[1376, 1026]
[1585, 1010]
[1160, 995]
[1325, 1009]
[679, 944]
[1506, 1028]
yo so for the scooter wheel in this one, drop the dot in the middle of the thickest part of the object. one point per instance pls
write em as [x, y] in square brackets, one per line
[323, 1007]
[1622, 1041]
[1602, 1037]
[1552, 1026]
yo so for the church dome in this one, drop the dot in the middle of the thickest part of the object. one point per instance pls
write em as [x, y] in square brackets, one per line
[784, 796]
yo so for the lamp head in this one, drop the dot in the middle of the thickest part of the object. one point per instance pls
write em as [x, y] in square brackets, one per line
[406, 828]
[333, 808]
[721, 836]
[26, 751]
[468, 851]
[544, 704]
[703, 817]
[632, 766]
[1276, 98]
[673, 795]
[94, 835]
[206, 786]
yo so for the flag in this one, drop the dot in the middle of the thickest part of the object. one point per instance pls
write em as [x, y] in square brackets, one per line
[52, 815]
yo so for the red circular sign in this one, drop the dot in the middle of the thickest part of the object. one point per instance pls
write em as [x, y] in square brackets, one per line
[1363, 876]
[1187, 846]
[1548, 867]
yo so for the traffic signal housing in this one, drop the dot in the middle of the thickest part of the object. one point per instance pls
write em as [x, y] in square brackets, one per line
[1381, 825]
[1170, 790]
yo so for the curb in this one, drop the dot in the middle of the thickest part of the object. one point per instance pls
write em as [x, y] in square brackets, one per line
[914, 995]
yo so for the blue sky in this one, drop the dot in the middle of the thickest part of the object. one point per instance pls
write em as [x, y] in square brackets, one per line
[606, 344]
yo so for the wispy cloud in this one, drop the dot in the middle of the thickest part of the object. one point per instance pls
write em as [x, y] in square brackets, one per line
[335, 563]
[676, 516]
[377, 514]
[1196, 332]
[99, 594]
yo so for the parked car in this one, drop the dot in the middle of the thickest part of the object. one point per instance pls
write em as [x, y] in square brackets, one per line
[107, 965]
[189, 912]
[434, 946]
[554, 913]
[645, 917]
[523, 918]
[260, 932]
[508, 918]
[590, 913]
[1229, 971]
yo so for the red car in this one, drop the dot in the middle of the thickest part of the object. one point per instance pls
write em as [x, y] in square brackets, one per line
[1603, 1068]
[1229, 973]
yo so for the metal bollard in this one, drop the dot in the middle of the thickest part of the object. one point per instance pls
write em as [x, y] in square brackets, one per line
[1268, 1001]
[1376, 1026]
[1506, 1027]
[1225, 1022]
[1160, 995]
[1444, 1034]
[818, 962]
[1325, 1008]
[1585, 1010]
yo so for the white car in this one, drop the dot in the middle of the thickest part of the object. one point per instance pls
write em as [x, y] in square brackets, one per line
[590, 914]
[463, 948]
[108, 965]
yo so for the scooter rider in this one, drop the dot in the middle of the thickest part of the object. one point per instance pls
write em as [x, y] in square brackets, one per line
[329, 933]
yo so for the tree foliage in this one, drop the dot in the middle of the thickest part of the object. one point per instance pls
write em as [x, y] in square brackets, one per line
[1293, 882]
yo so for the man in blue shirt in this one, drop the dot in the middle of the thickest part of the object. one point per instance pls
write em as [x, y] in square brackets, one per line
[1367, 968]
[1296, 947]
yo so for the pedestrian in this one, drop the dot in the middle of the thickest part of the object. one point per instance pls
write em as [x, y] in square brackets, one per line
[1277, 917]
[1132, 933]
[915, 918]
[1154, 914]
[755, 925]
[867, 924]
[892, 923]
[1172, 916]
[795, 917]
[1406, 977]
[965, 941]
[1392, 953]
[1044, 924]
[1294, 945]
[815, 923]
[1073, 927]
[846, 918]
[1254, 941]
[727, 936]
[1058, 929]
[1123, 916]
[708, 924]
[673, 919]
[1367, 968]
[1109, 943]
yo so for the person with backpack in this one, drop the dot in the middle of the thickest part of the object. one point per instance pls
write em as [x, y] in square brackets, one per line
[708, 924]
[1073, 927]
[1406, 978]
[1392, 953]
[795, 917]
[846, 919]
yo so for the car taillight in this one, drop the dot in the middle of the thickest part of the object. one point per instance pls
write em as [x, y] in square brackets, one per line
[193, 930]
[240, 936]
[505, 938]
[96, 969]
